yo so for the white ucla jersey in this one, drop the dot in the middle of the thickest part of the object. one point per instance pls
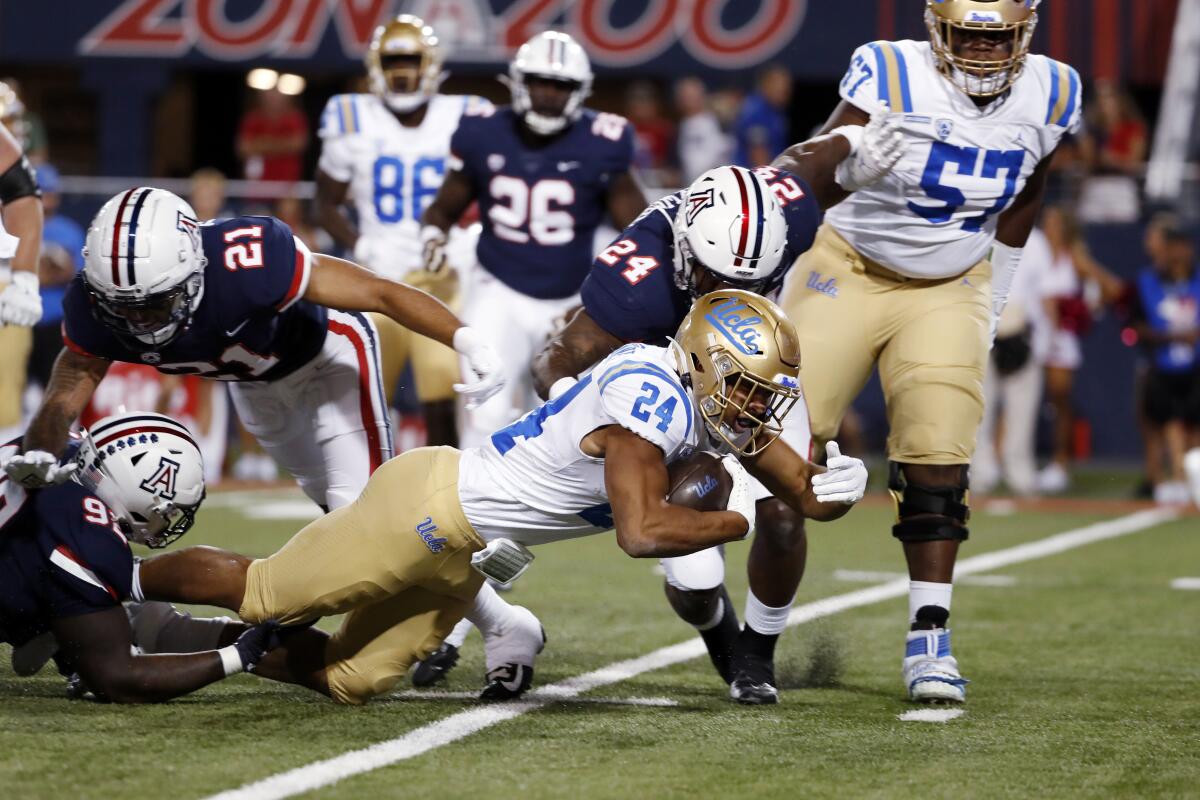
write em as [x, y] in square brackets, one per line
[394, 171]
[935, 215]
[533, 484]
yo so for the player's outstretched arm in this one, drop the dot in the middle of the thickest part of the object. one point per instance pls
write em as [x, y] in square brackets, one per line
[576, 347]
[98, 646]
[816, 161]
[625, 200]
[72, 382]
[646, 524]
[819, 493]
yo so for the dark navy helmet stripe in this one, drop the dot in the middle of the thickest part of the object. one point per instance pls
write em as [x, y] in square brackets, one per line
[761, 217]
[133, 223]
[116, 240]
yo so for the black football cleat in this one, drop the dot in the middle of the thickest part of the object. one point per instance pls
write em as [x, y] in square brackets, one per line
[434, 669]
[754, 681]
[507, 682]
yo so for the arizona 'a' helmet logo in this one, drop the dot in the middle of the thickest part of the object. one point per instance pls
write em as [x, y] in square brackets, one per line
[697, 202]
[162, 482]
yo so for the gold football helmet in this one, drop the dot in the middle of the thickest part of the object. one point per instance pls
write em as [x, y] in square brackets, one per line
[742, 355]
[1012, 18]
[404, 63]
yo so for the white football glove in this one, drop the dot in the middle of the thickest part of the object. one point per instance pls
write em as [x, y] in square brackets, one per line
[873, 152]
[433, 248]
[483, 361]
[37, 469]
[741, 496]
[844, 479]
[20, 303]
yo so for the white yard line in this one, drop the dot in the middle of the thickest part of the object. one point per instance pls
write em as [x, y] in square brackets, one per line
[652, 702]
[930, 715]
[464, 723]
[1186, 584]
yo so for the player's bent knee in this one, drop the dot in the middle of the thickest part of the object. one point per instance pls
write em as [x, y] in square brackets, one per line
[694, 607]
[929, 513]
[697, 572]
[780, 524]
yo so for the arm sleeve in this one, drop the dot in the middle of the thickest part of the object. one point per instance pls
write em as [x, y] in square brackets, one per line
[646, 399]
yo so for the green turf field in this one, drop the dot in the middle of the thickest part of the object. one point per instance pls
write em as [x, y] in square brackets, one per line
[1086, 675]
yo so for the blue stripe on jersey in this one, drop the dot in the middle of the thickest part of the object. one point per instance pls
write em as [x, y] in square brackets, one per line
[132, 237]
[341, 111]
[530, 425]
[905, 93]
[354, 111]
[646, 368]
[1073, 98]
[881, 74]
[1053, 91]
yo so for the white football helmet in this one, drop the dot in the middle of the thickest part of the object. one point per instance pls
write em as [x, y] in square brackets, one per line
[144, 265]
[404, 63]
[553, 56]
[147, 468]
[731, 224]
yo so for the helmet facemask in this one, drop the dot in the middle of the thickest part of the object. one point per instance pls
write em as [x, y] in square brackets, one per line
[543, 123]
[980, 79]
[404, 64]
[154, 319]
[747, 411]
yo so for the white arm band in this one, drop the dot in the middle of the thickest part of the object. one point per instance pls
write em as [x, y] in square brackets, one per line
[852, 134]
[231, 661]
[1005, 261]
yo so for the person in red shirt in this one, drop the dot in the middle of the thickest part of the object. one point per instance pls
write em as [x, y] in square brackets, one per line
[272, 138]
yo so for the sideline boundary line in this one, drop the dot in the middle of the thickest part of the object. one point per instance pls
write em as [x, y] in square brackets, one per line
[457, 726]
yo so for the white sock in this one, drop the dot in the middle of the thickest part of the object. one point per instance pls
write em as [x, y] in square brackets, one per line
[924, 593]
[459, 634]
[490, 612]
[763, 618]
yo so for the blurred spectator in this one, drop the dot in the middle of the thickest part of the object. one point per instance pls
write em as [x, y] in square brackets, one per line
[207, 194]
[1115, 149]
[272, 138]
[1075, 286]
[701, 143]
[22, 122]
[291, 210]
[1155, 245]
[761, 131]
[1012, 384]
[654, 133]
[1167, 322]
[61, 258]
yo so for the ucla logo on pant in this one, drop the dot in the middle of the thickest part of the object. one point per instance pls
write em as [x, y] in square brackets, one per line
[827, 287]
[425, 530]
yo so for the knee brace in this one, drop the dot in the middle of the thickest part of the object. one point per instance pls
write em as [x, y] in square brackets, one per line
[928, 514]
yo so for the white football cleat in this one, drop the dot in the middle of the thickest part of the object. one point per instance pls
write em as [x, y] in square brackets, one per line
[930, 672]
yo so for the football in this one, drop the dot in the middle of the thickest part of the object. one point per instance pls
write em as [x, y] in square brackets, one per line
[700, 482]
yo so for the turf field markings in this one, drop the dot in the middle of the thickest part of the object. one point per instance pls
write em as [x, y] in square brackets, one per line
[871, 576]
[930, 715]
[1186, 584]
[464, 723]
[299, 509]
[651, 702]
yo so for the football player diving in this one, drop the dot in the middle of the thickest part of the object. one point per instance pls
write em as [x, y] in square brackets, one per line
[405, 560]
[731, 228]
[66, 565]
[923, 262]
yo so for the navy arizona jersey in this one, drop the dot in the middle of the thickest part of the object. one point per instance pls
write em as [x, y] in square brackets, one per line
[251, 323]
[61, 555]
[540, 207]
[630, 291]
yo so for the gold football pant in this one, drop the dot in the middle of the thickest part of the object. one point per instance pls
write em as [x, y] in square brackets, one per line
[435, 366]
[397, 561]
[15, 344]
[929, 338]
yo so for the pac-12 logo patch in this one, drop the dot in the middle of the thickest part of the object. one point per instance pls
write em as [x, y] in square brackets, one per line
[162, 482]
[944, 128]
[697, 202]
